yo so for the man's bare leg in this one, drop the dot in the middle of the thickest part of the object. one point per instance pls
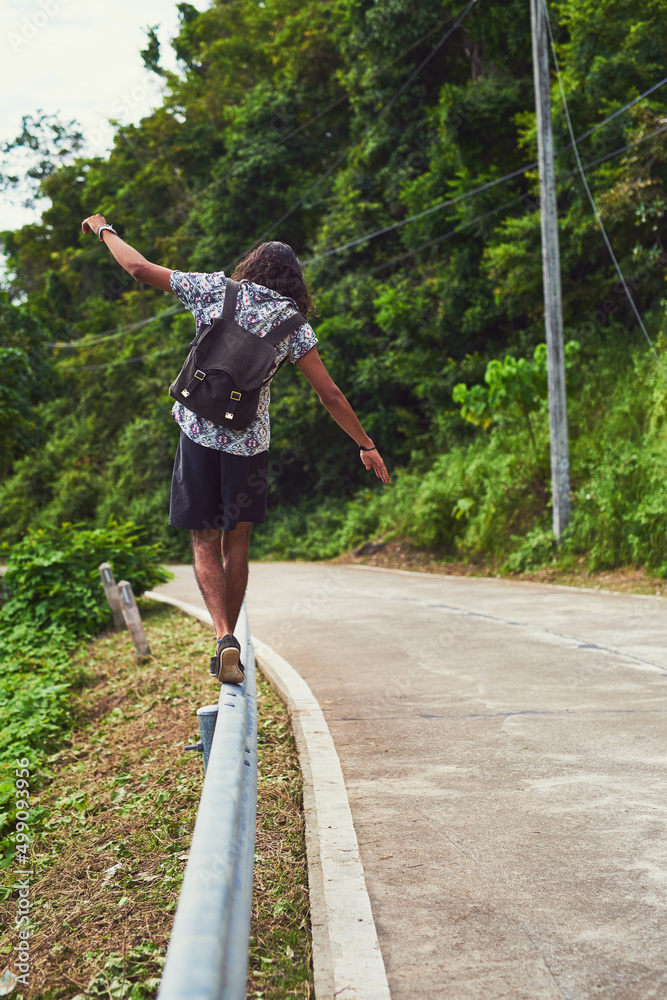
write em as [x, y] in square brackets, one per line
[210, 576]
[222, 586]
[235, 555]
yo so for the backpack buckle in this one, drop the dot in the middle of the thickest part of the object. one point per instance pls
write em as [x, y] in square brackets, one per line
[200, 375]
[235, 395]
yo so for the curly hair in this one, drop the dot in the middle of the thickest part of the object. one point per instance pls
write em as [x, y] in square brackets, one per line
[276, 266]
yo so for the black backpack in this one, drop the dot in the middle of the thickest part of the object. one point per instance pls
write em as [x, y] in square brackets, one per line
[228, 366]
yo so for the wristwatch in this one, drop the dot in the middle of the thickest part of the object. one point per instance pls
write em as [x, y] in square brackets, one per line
[102, 228]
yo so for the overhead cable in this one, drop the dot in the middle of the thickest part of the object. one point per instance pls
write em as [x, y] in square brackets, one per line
[122, 330]
[624, 108]
[592, 201]
[124, 361]
[452, 232]
[494, 211]
[401, 90]
[629, 145]
[118, 331]
[348, 93]
[483, 187]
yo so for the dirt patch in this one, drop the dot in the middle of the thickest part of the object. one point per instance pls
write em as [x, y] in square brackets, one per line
[401, 554]
[115, 819]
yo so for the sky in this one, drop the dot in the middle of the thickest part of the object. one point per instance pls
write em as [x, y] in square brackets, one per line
[79, 59]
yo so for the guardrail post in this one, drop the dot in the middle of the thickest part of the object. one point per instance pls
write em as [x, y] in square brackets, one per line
[207, 716]
[113, 597]
[133, 619]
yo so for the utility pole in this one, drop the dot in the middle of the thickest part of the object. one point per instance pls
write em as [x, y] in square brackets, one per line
[553, 313]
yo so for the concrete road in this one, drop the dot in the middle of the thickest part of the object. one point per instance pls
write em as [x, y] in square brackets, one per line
[504, 751]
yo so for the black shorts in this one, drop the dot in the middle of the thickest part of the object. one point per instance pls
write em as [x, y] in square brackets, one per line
[213, 489]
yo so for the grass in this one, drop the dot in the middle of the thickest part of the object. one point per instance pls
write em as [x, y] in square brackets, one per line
[280, 946]
[115, 813]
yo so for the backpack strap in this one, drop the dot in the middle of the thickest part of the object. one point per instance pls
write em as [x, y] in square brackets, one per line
[228, 309]
[231, 293]
[283, 329]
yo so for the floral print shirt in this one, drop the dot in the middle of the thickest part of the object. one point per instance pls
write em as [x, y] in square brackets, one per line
[259, 310]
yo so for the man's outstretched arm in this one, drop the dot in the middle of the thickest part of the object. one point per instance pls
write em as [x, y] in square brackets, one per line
[333, 400]
[129, 258]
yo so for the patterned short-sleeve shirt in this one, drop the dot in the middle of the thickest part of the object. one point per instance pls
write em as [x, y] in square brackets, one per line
[259, 310]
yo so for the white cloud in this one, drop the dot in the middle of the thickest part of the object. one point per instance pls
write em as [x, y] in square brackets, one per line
[79, 59]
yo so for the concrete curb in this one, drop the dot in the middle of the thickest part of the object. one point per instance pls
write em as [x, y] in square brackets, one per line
[347, 961]
[190, 609]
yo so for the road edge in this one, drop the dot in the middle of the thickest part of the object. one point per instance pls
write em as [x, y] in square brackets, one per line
[347, 961]
[505, 579]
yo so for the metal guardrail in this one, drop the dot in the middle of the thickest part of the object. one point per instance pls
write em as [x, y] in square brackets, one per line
[208, 950]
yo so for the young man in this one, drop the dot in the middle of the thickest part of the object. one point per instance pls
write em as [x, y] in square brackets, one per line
[220, 474]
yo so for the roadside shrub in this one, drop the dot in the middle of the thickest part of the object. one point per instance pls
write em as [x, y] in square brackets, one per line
[53, 578]
[55, 600]
[489, 499]
[536, 549]
[619, 514]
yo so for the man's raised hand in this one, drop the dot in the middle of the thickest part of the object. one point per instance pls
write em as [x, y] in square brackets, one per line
[93, 223]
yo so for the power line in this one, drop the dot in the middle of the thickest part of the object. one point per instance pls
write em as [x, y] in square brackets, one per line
[591, 199]
[373, 270]
[620, 110]
[495, 211]
[124, 361]
[418, 215]
[507, 204]
[468, 194]
[608, 156]
[121, 330]
[118, 331]
[309, 121]
[439, 239]
[401, 90]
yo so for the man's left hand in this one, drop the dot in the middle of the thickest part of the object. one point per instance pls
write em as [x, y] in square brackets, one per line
[93, 223]
[373, 460]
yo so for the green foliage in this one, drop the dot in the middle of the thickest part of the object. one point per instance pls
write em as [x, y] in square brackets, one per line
[517, 387]
[291, 121]
[474, 404]
[53, 576]
[488, 501]
[537, 548]
[620, 515]
[14, 400]
[25, 377]
[48, 143]
[55, 600]
[132, 976]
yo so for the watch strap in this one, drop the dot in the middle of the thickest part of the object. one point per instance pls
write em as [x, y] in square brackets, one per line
[101, 230]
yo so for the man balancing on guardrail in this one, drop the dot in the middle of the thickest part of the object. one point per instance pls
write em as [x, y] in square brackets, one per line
[246, 327]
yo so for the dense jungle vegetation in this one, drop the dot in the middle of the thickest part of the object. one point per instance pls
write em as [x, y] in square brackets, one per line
[318, 124]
